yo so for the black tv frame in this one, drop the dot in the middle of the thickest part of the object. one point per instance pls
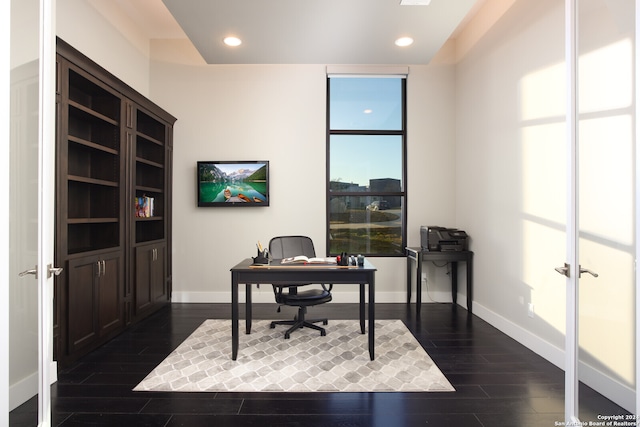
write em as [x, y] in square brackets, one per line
[228, 190]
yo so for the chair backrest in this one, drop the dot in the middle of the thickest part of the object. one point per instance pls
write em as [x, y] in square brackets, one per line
[289, 246]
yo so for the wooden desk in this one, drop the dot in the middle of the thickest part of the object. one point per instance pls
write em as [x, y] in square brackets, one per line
[251, 275]
[418, 256]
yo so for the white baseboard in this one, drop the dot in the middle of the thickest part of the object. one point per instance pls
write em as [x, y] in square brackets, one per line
[23, 390]
[264, 294]
[27, 388]
[612, 389]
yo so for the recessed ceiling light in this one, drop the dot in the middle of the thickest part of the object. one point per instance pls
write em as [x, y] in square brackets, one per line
[415, 2]
[232, 41]
[404, 41]
[368, 111]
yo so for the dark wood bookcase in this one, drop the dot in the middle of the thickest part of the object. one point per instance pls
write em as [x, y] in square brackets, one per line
[113, 147]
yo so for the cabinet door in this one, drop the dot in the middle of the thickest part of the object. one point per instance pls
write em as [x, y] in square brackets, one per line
[158, 275]
[144, 258]
[151, 283]
[82, 297]
[110, 316]
[94, 296]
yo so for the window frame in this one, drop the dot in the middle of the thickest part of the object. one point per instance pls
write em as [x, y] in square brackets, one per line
[364, 132]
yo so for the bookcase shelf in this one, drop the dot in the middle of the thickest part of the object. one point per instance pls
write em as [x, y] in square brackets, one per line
[113, 146]
[152, 128]
[85, 110]
[90, 144]
[150, 174]
[91, 220]
[89, 93]
[149, 163]
[88, 180]
[89, 127]
[92, 236]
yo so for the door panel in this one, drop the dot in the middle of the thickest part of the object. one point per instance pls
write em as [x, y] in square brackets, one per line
[606, 195]
[29, 160]
[601, 226]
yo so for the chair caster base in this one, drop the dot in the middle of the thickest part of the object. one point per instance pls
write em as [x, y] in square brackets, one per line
[295, 325]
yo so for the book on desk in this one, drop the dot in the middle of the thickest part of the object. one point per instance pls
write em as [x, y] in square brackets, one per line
[301, 259]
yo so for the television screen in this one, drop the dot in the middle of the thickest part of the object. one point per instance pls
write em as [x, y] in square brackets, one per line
[233, 183]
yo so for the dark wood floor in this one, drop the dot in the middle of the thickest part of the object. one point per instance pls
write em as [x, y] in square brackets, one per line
[498, 381]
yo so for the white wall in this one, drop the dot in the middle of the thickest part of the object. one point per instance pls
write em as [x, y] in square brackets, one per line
[492, 165]
[80, 25]
[277, 113]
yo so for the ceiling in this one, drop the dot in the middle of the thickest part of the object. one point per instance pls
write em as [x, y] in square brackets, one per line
[300, 31]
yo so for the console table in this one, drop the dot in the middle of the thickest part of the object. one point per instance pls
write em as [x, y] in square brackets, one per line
[418, 256]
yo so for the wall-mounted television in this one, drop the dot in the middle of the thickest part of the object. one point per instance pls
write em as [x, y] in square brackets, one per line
[233, 183]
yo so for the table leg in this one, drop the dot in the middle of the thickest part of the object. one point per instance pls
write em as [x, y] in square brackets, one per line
[234, 317]
[469, 282]
[454, 281]
[362, 310]
[418, 282]
[409, 271]
[249, 308]
[372, 314]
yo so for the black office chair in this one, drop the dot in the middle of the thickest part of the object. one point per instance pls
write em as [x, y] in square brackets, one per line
[291, 295]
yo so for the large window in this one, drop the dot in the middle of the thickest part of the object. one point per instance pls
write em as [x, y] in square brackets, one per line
[366, 167]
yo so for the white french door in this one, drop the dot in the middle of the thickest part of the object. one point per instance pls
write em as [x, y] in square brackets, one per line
[28, 164]
[602, 206]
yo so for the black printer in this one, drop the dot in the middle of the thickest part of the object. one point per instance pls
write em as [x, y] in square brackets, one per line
[434, 238]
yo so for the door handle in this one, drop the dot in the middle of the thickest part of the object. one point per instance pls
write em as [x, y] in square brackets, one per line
[584, 270]
[51, 271]
[33, 271]
[563, 270]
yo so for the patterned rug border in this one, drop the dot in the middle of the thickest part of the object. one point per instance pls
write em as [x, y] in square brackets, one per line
[307, 362]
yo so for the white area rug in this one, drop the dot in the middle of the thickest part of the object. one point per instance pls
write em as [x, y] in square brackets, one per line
[306, 362]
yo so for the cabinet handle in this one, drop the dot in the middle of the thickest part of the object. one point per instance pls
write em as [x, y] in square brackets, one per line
[102, 268]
